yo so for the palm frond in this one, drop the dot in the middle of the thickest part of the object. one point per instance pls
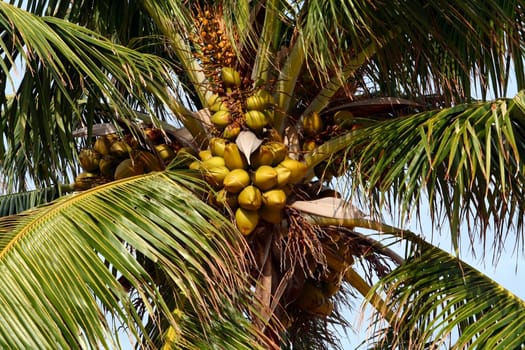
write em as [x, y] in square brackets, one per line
[64, 264]
[15, 203]
[70, 71]
[440, 299]
[437, 50]
[468, 158]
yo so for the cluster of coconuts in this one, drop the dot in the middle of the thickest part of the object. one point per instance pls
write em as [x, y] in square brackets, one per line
[254, 189]
[317, 130]
[315, 297]
[112, 157]
[231, 115]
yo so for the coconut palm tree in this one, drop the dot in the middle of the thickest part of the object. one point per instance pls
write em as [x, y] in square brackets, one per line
[183, 172]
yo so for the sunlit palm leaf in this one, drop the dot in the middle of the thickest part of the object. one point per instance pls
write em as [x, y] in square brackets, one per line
[65, 64]
[468, 158]
[54, 262]
[440, 298]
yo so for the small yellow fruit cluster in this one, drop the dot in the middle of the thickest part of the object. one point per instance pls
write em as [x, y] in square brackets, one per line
[114, 158]
[214, 44]
[256, 189]
[232, 113]
[316, 131]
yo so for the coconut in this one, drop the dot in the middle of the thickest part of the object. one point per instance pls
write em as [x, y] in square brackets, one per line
[246, 220]
[128, 168]
[236, 180]
[205, 154]
[102, 145]
[151, 162]
[165, 152]
[233, 158]
[309, 145]
[250, 198]
[266, 96]
[256, 120]
[120, 149]
[89, 159]
[230, 77]
[256, 103]
[297, 168]
[213, 162]
[107, 166]
[231, 131]
[271, 215]
[85, 180]
[265, 177]
[275, 199]
[311, 297]
[225, 199]
[221, 119]
[312, 124]
[215, 176]
[279, 151]
[283, 176]
[262, 156]
[217, 146]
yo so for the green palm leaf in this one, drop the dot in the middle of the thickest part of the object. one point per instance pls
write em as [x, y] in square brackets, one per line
[440, 298]
[70, 73]
[468, 158]
[17, 202]
[55, 276]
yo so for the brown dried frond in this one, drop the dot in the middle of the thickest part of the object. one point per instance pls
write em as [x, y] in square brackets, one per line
[301, 244]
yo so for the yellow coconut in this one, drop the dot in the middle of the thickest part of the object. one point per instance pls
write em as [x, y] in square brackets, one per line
[213, 162]
[102, 145]
[128, 168]
[256, 120]
[107, 166]
[246, 220]
[312, 124]
[283, 176]
[225, 199]
[120, 149]
[275, 199]
[150, 161]
[215, 176]
[233, 158]
[165, 152]
[271, 215]
[217, 146]
[262, 156]
[221, 119]
[230, 77]
[250, 198]
[265, 177]
[298, 169]
[205, 154]
[231, 131]
[85, 180]
[89, 159]
[236, 180]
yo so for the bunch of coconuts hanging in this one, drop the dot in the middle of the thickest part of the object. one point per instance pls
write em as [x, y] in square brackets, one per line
[255, 189]
[112, 157]
[254, 185]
